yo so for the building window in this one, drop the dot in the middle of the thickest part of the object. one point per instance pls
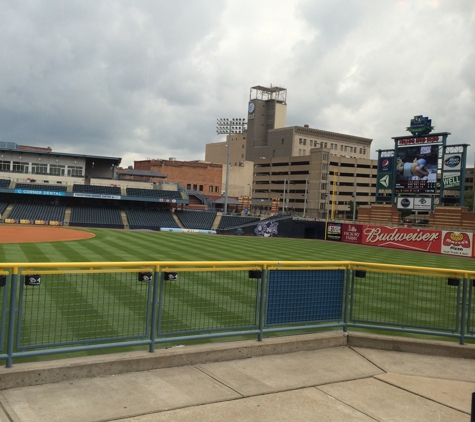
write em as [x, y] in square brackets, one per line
[216, 189]
[324, 176]
[188, 186]
[242, 146]
[39, 168]
[72, 171]
[364, 151]
[323, 186]
[300, 141]
[242, 155]
[57, 169]
[326, 145]
[20, 167]
[211, 188]
[201, 188]
[5, 165]
[282, 142]
[341, 147]
[195, 187]
[323, 195]
[304, 142]
[325, 156]
[325, 166]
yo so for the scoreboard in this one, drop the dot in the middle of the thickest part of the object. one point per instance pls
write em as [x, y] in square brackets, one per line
[416, 186]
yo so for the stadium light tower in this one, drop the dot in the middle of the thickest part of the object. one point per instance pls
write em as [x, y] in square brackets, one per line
[229, 127]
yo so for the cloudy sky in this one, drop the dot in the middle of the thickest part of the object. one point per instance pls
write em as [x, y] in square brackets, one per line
[148, 78]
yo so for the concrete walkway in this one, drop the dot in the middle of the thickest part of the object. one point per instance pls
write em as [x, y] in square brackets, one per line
[319, 377]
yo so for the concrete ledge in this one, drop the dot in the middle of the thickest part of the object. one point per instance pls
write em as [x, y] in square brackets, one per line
[411, 345]
[37, 373]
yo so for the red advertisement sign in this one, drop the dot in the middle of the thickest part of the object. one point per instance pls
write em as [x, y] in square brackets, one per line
[351, 233]
[457, 243]
[403, 238]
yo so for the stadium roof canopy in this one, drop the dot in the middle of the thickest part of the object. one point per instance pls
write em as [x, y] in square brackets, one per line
[13, 147]
[142, 173]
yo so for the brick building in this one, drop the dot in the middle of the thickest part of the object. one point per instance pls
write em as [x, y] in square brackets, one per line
[200, 176]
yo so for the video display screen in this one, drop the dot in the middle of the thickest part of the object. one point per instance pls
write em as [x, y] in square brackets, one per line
[416, 169]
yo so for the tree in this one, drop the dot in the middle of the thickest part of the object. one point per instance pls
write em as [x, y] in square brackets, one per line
[468, 199]
[351, 205]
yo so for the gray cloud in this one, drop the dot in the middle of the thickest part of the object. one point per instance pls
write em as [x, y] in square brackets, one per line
[140, 79]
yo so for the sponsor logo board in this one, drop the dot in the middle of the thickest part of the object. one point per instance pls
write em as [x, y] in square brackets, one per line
[334, 231]
[457, 243]
[451, 180]
[384, 181]
[403, 238]
[423, 204]
[452, 162]
[351, 233]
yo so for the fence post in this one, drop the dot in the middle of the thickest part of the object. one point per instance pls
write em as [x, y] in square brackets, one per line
[348, 273]
[153, 324]
[262, 303]
[464, 310]
[472, 418]
[11, 318]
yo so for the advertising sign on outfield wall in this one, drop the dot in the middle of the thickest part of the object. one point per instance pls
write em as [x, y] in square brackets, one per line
[456, 243]
[334, 231]
[351, 233]
[403, 238]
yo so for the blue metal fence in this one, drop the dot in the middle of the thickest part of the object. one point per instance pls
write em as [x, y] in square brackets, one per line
[57, 308]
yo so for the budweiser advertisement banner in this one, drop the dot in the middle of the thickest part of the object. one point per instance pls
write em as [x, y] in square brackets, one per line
[436, 241]
[403, 238]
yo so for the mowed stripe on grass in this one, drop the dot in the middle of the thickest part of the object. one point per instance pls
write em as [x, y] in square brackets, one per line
[117, 245]
[201, 303]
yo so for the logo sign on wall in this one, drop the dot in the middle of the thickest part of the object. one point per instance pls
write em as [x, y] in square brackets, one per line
[452, 162]
[333, 231]
[267, 229]
[384, 181]
[451, 181]
[405, 203]
[454, 243]
[351, 233]
[423, 204]
[419, 203]
[403, 238]
[385, 164]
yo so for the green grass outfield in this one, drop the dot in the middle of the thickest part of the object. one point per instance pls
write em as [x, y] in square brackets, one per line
[115, 306]
[122, 245]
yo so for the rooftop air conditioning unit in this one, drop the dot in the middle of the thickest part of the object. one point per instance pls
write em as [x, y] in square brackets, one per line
[172, 159]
